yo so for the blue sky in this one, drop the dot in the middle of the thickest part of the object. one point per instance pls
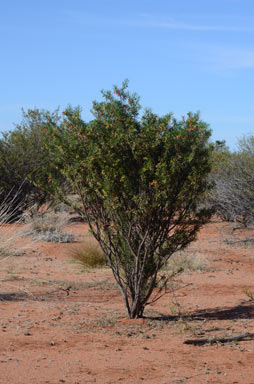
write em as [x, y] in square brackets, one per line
[179, 56]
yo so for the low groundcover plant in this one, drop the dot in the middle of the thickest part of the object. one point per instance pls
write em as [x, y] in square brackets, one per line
[48, 226]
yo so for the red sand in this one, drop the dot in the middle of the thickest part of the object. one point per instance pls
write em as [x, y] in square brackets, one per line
[50, 337]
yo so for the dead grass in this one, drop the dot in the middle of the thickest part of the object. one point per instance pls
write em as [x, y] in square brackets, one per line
[6, 240]
[48, 226]
[89, 254]
[7, 236]
[184, 262]
[48, 222]
[62, 284]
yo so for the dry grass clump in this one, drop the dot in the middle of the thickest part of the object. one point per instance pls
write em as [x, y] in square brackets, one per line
[182, 262]
[7, 236]
[48, 222]
[56, 236]
[4, 244]
[48, 226]
[89, 254]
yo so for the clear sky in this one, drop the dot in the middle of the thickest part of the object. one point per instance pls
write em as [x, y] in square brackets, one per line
[179, 56]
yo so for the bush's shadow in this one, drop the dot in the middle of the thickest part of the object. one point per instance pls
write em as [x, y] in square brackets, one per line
[242, 311]
[13, 296]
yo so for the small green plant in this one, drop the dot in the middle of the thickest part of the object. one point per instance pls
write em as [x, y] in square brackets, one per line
[184, 321]
[249, 294]
[89, 254]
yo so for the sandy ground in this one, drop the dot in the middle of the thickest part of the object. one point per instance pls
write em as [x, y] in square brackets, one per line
[48, 336]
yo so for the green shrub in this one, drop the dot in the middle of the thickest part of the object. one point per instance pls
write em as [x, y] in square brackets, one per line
[22, 155]
[138, 179]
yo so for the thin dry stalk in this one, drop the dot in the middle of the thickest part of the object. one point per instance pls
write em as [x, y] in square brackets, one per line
[8, 237]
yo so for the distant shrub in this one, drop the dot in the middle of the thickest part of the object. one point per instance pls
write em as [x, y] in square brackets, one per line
[48, 222]
[49, 227]
[55, 236]
[233, 194]
[22, 155]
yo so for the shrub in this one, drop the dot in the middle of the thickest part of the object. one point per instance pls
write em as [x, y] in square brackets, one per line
[55, 236]
[22, 155]
[233, 195]
[138, 179]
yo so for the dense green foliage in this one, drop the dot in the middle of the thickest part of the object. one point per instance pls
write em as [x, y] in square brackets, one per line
[138, 179]
[22, 155]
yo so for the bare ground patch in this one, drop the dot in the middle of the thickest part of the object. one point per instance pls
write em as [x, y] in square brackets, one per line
[60, 323]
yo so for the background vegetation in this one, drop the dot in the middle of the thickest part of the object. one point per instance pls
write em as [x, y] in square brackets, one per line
[233, 179]
[23, 156]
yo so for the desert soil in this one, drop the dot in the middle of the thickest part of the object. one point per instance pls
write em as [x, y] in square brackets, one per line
[51, 334]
